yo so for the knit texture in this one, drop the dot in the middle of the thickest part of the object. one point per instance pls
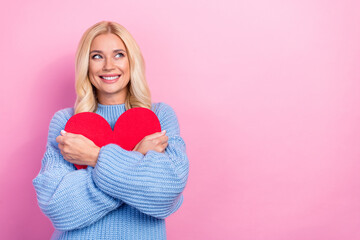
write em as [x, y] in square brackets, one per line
[127, 195]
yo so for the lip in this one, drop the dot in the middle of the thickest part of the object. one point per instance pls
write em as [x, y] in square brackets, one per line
[110, 75]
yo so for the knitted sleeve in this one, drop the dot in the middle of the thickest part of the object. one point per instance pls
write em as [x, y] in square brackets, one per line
[69, 198]
[152, 183]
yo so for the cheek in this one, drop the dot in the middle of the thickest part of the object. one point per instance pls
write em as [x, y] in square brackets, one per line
[125, 66]
[93, 70]
[92, 80]
[126, 70]
[94, 67]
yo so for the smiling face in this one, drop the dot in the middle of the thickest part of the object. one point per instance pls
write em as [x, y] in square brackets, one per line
[109, 68]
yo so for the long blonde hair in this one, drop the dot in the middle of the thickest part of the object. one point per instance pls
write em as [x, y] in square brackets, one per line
[138, 90]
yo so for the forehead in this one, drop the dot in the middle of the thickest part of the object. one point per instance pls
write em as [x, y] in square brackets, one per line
[107, 42]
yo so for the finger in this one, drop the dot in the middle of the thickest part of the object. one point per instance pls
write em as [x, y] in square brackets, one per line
[160, 148]
[60, 139]
[77, 136]
[163, 148]
[60, 146]
[164, 139]
[67, 158]
[62, 132]
[70, 134]
[152, 136]
[137, 145]
[62, 153]
[155, 135]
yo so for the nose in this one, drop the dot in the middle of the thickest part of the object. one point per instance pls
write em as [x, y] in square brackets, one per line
[108, 65]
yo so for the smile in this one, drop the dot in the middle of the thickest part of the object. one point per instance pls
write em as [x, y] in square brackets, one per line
[110, 79]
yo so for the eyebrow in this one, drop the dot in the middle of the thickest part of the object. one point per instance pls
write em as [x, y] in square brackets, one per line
[116, 50]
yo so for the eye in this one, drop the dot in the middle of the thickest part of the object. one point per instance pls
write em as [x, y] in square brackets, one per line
[120, 54]
[96, 56]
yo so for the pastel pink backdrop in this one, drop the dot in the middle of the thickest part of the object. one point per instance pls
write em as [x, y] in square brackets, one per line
[267, 95]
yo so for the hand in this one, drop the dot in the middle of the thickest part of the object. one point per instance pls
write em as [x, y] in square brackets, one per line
[78, 149]
[157, 142]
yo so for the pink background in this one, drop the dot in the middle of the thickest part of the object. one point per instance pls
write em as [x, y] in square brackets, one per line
[267, 95]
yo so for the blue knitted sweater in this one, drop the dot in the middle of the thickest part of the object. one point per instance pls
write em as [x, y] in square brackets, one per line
[127, 195]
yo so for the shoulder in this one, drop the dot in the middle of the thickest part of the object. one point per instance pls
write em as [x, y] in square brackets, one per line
[167, 117]
[58, 123]
[161, 108]
[62, 115]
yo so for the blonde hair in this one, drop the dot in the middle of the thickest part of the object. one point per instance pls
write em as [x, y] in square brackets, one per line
[138, 91]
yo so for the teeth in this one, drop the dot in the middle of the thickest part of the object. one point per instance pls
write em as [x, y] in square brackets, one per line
[110, 78]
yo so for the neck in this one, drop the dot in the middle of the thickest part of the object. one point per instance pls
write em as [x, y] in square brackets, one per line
[112, 99]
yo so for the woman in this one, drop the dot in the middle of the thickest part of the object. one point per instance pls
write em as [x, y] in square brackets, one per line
[121, 194]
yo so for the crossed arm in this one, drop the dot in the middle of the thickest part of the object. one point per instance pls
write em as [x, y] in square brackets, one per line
[152, 183]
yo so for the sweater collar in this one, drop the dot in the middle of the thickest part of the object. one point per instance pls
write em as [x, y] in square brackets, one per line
[111, 111]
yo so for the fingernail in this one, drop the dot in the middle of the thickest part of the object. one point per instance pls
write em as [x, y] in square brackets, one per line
[62, 132]
[163, 131]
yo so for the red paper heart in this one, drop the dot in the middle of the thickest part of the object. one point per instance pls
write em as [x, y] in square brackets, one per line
[130, 128]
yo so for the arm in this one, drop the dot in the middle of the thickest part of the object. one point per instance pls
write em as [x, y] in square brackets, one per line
[69, 198]
[152, 183]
